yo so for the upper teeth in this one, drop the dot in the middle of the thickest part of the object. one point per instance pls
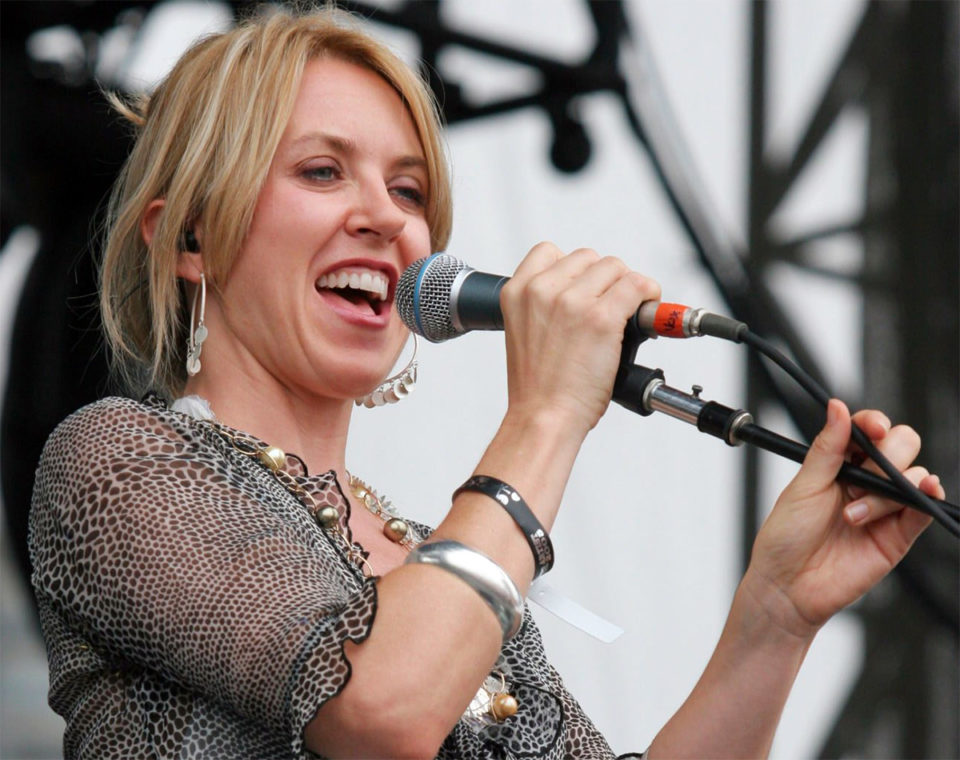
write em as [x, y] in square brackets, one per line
[372, 282]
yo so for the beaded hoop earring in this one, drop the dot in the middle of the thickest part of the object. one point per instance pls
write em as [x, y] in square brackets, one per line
[198, 334]
[395, 387]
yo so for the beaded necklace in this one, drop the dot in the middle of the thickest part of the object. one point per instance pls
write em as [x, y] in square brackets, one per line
[394, 527]
[492, 702]
[327, 517]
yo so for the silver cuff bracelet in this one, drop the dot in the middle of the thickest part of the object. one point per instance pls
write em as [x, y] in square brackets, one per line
[481, 573]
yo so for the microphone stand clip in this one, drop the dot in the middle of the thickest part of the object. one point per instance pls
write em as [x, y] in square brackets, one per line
[644, 391]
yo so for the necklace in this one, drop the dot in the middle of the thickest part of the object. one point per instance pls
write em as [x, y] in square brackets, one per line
[394, 527]
[492, 703]
[327, 517]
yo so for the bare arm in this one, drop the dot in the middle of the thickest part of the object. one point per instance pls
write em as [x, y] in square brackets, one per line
[814, 555]
[434, 640]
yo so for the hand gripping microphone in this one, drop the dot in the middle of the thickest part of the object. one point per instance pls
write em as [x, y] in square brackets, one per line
[440, 297]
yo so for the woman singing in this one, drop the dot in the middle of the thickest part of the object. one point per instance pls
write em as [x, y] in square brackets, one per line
[213, 582]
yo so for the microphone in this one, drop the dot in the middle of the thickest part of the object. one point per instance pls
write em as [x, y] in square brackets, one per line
[440, 297]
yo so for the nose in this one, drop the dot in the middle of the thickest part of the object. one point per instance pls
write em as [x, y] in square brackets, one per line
[375, 214]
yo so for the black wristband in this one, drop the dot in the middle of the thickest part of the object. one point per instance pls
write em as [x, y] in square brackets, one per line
[507, 497]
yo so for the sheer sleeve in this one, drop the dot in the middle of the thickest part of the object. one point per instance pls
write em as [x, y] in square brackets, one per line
[168, 552]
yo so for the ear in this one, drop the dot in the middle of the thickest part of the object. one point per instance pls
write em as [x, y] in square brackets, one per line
[148, 224]
[189, 263]
[189, 266]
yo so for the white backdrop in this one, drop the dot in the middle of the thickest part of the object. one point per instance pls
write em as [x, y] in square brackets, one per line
[648, 536]
[648, 533]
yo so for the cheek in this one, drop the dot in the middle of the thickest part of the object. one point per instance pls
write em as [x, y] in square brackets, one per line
[403, 351]
[419, 242]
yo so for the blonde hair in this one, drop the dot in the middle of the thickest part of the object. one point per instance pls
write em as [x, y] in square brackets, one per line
[206, 139]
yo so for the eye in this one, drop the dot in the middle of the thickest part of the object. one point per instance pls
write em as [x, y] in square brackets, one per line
[409, 194]
[320, 172]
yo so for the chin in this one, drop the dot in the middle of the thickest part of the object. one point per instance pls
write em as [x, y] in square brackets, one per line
[350, 388]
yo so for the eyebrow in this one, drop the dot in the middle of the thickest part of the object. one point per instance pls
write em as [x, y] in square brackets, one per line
[349, 146]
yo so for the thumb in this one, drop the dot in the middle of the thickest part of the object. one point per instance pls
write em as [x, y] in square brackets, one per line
[826, 454]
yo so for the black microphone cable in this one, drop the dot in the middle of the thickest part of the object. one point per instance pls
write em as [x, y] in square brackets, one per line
[678, 321]
[911, 494]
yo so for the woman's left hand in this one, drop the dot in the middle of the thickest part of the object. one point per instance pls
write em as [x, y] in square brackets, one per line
[824, 544]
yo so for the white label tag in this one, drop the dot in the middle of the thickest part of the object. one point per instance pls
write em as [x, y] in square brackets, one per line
[570, 612]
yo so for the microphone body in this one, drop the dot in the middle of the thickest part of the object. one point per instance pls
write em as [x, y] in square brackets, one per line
[440, 297]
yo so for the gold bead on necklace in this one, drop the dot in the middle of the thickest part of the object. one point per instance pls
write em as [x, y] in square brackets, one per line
[394, 527]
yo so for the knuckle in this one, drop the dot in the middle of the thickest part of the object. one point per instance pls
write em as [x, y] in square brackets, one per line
[602, 320]
[651, 288]
[822, 444]
[645, 286]
[908, 437]
[568, 301]
[544, 246]
[539, 289]
[616, 264]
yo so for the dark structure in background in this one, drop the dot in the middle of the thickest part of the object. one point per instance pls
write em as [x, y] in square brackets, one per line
[61, 148]
[59, 154]
[901, 68]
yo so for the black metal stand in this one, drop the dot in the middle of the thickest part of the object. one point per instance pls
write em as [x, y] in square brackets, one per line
[643, 390]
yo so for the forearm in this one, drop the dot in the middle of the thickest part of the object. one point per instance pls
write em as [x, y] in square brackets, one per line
[734, 709]
[434, 639]
[534, 454]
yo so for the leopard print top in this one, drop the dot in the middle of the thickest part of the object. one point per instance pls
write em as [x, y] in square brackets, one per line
[191, 607]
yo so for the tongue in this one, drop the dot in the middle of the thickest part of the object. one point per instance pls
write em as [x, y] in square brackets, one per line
[356, 300]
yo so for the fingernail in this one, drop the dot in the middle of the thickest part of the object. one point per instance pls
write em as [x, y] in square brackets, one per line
[856, 512]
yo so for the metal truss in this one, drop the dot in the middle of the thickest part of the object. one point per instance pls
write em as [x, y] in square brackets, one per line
[900, 69]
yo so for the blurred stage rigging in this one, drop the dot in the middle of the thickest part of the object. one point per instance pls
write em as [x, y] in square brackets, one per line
[900, 67]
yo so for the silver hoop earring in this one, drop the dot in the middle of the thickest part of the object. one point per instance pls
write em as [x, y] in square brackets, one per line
[198, 334]
[395, 387]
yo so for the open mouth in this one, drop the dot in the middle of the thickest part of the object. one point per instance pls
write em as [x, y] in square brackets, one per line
[364, 289]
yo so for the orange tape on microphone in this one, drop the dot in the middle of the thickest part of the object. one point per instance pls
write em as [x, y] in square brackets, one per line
[668, 320]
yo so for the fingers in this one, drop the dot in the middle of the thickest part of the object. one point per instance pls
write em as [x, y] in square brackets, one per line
[931, 486]
[827, 452]
[551, 269]
[899, 444]
[870, 507]
[598, 276]
[564, 318]
[575, 282]
[541, 256]
[872, 422]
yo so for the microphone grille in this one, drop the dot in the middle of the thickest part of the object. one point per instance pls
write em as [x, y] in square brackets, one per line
[423, 296]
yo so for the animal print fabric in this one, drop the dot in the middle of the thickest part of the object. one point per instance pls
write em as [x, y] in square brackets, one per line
[191, 607]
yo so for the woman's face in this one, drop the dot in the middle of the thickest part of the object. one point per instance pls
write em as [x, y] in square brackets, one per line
[341, 214]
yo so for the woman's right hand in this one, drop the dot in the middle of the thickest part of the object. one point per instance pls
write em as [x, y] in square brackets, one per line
[564, 318]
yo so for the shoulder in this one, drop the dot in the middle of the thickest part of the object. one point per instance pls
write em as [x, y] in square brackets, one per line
[116, 418]
[118, 455]
[116, 428]
[92, 463]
